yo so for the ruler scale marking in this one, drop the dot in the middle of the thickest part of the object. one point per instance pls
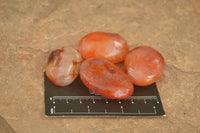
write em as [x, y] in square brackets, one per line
[76, 99]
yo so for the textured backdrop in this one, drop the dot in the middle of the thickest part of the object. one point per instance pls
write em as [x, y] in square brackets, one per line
[29, 30]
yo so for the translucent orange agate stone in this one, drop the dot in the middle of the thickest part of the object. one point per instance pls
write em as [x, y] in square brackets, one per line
[105, 79]
[108, 46]
[144, 65]
[63, 66]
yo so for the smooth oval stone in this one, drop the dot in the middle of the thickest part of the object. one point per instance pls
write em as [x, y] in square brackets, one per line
[105, 79]
[63, 66]
[144, 65]
[108, 46]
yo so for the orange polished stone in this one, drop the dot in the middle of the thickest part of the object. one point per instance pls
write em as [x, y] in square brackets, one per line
[108, 46]
[105, 79]
[144, 65]
[63, 66]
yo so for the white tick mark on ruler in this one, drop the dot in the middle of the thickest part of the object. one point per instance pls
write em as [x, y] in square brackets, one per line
[122, 109]
[145, 101]
[105, 110]
[139, 111]
[67, 101]
[50, 98]
[88, 108]
[106, 101]
[93, 101]
[80, 101]
[71, 111]
[119, 102]
[154, 108]
[51, 110]
[54, 111]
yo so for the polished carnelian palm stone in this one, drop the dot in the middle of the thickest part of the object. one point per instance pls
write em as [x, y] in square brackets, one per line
[105, 79]
[63, 66]
[144, 65]
[108, 46]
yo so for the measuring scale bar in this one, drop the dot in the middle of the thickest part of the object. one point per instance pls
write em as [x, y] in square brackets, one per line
[77, 100]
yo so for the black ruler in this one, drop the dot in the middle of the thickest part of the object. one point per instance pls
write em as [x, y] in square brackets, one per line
[76, 100]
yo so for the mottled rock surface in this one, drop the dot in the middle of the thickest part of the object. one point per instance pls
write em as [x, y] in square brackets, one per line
[29, 30]
[5, 127]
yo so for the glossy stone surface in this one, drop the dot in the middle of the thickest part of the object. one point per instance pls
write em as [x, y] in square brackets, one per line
[31, 29]
[63, 66]
[105, 79]
[144, 65]
[109, 46]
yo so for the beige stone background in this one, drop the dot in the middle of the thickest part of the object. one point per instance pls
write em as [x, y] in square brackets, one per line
[29, 30]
